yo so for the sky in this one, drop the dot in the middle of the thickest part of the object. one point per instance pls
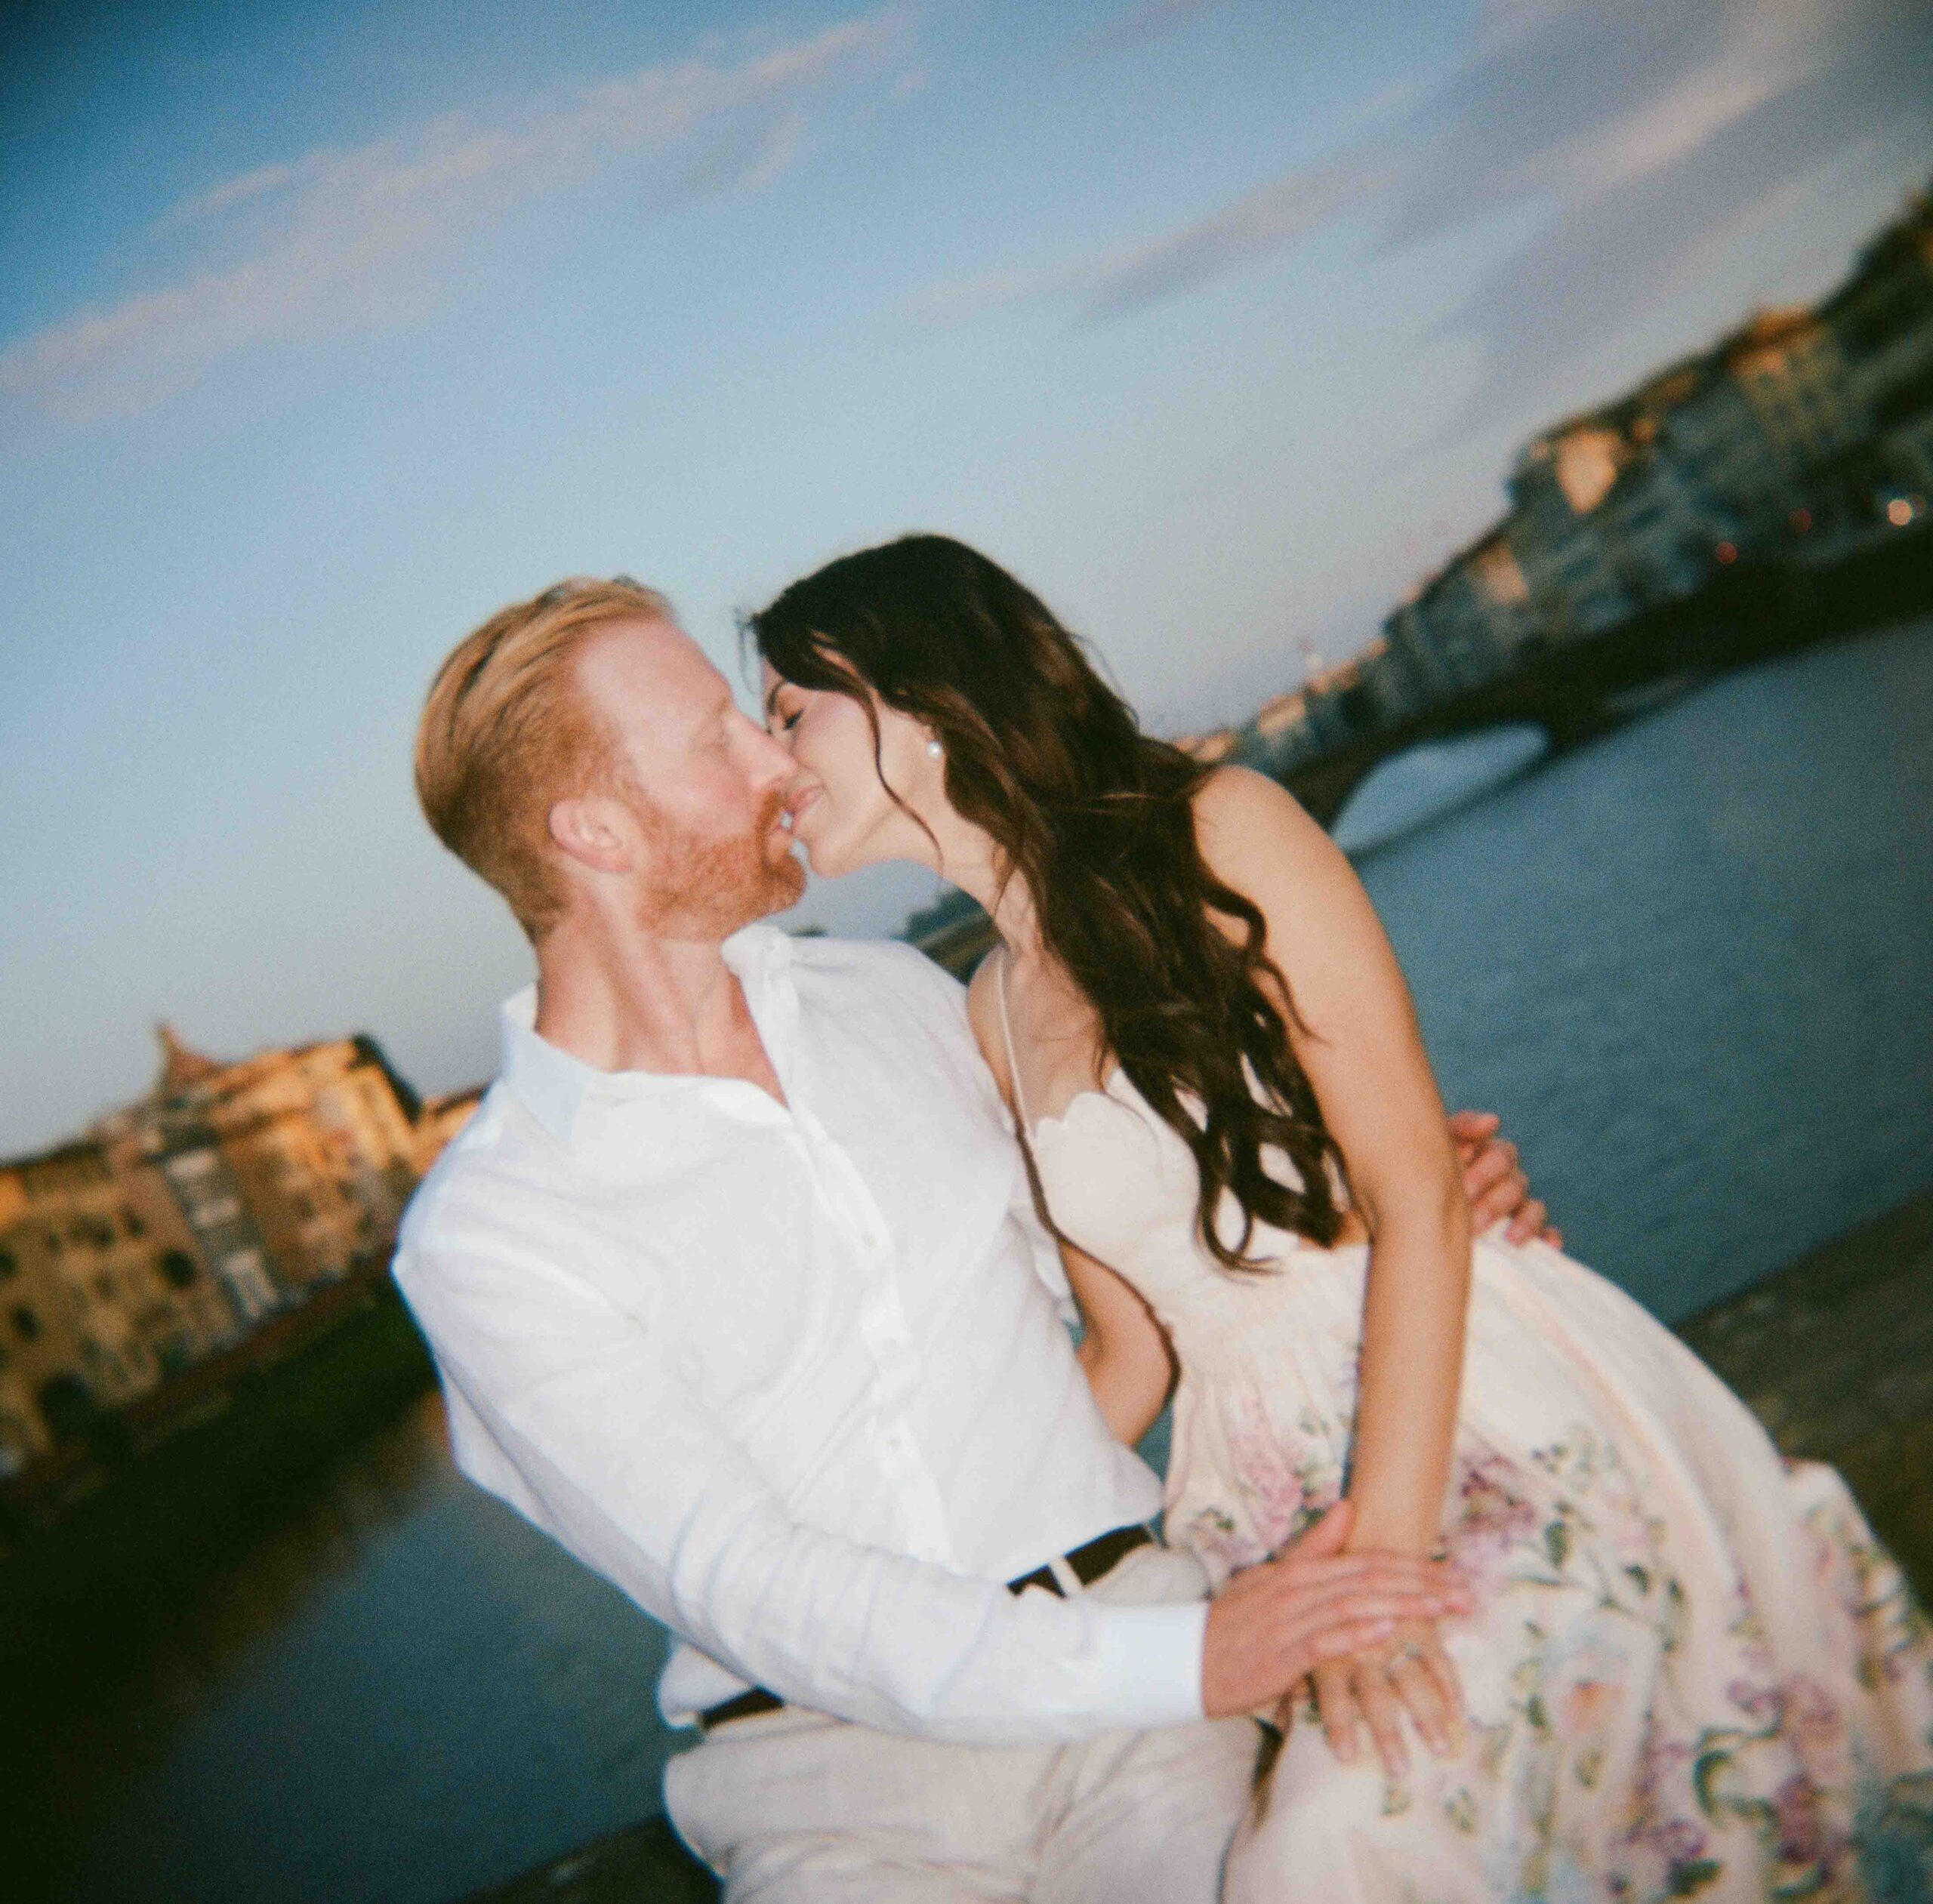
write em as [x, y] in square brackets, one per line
[326, 329]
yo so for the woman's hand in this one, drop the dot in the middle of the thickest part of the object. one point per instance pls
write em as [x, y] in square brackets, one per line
[1273, 1624]
[1494, 1181]
[1409, 1672]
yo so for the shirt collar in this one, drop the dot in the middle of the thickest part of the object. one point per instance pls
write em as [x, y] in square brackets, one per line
[556, 1087]
[758, 951]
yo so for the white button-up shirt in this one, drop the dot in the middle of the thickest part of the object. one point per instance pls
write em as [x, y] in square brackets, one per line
[794, 1377]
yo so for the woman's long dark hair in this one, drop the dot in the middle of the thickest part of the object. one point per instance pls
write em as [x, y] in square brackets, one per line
[1045, 757]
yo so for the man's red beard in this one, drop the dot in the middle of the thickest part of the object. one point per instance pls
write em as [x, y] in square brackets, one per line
[706, 885]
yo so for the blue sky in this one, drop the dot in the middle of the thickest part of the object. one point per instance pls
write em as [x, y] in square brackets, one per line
[325, 329]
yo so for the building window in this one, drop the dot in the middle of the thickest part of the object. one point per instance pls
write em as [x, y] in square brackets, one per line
[9, 1268]
[133, 1224]
[178, 1267]
[27, 1324]
[67, 1407]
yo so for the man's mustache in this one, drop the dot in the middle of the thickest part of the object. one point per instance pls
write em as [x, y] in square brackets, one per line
[771, 810]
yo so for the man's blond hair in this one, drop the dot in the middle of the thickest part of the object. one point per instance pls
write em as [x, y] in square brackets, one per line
[506, 733]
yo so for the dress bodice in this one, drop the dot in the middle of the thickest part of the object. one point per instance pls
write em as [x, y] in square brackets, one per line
[1120, 1184]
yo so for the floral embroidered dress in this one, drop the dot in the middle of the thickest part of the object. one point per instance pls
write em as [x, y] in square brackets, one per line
[1692, 1671]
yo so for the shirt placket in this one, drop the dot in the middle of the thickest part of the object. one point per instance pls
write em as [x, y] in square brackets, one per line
[888, 1341]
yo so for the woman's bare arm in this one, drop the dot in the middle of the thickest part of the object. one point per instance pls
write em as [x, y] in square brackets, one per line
[1360, 1045]
[1125, 1353]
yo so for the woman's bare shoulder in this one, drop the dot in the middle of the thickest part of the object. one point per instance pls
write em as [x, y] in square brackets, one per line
[1250, 826]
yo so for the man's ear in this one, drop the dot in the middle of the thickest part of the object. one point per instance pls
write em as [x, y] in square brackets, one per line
[594, 832]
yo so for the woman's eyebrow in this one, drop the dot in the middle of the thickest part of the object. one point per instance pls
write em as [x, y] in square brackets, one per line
[777, 689]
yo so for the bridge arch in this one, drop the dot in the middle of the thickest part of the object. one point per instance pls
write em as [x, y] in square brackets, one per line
[1430, 779]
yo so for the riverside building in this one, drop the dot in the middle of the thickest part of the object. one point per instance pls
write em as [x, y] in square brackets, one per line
[228, 1192]
[1882, 319]
[101, 1292]
[1804, 432]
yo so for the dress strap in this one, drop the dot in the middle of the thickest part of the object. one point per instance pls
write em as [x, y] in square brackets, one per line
[1006, 958]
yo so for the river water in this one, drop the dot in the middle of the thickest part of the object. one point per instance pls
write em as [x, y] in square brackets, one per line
[1691, 964]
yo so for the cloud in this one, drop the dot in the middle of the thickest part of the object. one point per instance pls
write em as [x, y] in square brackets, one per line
[346, 236]
[1154, 19]
[1625, 130]
[1261, 222]
[1265, 220]
[1654, 131]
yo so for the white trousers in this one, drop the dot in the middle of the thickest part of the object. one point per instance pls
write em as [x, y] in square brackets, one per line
[790, 1807]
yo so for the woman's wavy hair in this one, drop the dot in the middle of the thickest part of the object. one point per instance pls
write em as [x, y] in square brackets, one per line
[1047, 759]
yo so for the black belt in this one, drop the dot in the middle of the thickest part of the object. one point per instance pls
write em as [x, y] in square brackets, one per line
[1087, 1563]
[1099, 1555]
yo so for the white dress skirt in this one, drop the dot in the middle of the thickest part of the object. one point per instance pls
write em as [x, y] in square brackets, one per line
[1692, 1671]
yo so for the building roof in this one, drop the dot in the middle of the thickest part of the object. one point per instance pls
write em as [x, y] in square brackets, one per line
[182, 1067]
[73, 1150]
[1905, 237]
[453, 1100]
[1661, 389]
[1764, 329]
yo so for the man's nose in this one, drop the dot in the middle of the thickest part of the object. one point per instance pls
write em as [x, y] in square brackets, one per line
[772, 762]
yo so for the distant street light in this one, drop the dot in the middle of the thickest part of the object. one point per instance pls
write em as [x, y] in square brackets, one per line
[1727, 553]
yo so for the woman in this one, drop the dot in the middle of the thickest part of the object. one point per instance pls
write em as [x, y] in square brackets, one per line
[1692, 1670]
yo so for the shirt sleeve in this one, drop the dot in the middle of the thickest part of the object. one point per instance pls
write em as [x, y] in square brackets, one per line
[572, 1410]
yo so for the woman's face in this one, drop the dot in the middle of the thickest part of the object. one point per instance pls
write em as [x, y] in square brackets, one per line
[842, 811]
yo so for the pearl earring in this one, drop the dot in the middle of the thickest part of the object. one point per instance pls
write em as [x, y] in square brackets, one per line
[935, 751]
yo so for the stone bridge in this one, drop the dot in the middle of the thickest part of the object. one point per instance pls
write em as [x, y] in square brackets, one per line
[1569, 711]
[1578, 690]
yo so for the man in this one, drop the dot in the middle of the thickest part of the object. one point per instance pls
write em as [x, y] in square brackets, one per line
[735, 1290]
